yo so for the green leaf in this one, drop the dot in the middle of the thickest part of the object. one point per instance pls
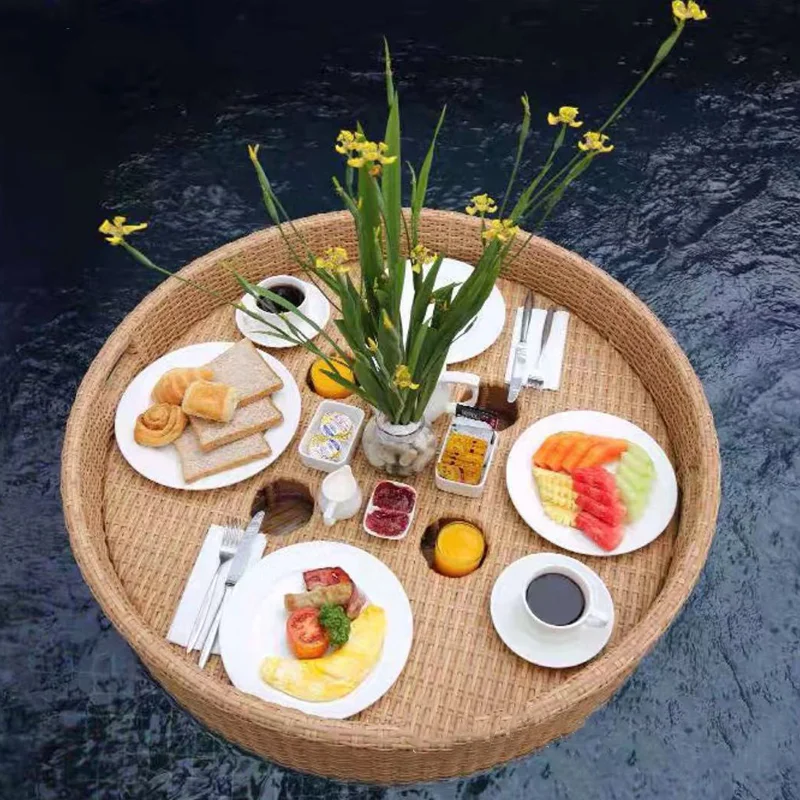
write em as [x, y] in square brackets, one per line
[422, 182]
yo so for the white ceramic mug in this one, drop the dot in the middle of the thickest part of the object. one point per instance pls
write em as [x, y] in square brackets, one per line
[339, 496]
[591, 617]
[440, 401]
[285, 280]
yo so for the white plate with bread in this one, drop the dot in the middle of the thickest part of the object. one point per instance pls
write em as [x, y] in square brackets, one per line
[207, 415]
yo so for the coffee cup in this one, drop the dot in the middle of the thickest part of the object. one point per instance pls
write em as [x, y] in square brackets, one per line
[288, 288]
[559, 598]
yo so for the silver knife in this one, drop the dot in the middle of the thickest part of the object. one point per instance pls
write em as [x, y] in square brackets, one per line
[518, 376]
[238, 566]
[536, 377]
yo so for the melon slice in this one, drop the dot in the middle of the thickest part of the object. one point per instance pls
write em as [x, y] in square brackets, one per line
[634, 480]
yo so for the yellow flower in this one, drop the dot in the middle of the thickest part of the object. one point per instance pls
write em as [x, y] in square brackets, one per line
[252, 151]
[592, 140]
[333, 260]
[690, 10]
[372, 345]
[567, 115]
[501, 229]
[420, 257]
[345, 142]
[361, 151]
[117, 230]
[481, 204]
[402, 378]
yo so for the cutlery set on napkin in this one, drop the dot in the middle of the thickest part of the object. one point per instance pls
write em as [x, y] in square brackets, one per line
[225, 556]
[537, 349]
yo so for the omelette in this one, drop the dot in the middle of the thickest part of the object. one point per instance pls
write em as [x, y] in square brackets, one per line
[336, 675]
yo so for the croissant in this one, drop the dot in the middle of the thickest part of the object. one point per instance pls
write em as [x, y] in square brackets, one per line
[214, 401]
[172, 385]
[160, 425]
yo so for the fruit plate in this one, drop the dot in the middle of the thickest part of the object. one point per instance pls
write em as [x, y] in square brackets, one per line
[254, 623]
[525, 497]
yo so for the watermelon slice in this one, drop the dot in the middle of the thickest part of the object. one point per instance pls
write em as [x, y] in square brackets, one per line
[611, 513]
[606, 536]
[594, 476]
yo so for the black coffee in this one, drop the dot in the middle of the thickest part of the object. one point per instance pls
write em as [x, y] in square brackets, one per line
[555, 599]
[285, 291]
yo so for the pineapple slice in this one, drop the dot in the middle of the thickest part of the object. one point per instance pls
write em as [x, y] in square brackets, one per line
[555, 489]
[562, 516]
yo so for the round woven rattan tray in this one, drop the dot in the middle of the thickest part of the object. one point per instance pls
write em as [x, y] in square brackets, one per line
[464, 702]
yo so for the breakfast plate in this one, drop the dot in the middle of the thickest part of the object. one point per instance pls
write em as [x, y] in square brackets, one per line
[162, 464]
[663, 494]
[319, 311]
[554, 649]
[254, 623]
[487, 325]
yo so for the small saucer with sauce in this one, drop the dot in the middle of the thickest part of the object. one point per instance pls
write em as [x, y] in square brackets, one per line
[561, 643]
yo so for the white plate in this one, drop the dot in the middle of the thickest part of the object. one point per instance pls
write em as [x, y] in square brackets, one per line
[488, 323]
[254, 622]
[555, 649]
[319, 312]
[161, 464]
[521, 486]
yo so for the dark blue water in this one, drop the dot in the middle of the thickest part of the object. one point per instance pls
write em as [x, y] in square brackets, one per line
[145, 108]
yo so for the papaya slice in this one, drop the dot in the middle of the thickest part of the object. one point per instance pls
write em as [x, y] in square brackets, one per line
[578, 451]
[545, 448]
[556, 456]
[603, 452]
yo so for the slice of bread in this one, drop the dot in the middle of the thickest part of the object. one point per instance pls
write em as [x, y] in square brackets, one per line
[254, 418]
[196, 464]
[243, 368]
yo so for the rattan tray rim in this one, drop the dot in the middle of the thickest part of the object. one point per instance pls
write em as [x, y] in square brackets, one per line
[602, 673]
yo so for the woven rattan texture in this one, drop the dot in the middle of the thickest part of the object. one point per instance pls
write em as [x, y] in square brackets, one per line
[463, 702]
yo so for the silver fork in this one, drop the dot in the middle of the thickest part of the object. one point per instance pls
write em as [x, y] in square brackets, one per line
[231, 537]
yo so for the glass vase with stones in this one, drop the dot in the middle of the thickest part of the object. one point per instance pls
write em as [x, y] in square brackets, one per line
[398, 449]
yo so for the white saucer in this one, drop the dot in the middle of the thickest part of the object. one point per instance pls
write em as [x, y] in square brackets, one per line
[487, 325]
[319, 312]
[555, 649]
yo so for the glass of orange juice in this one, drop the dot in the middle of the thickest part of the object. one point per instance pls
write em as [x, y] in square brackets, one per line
[459, 549]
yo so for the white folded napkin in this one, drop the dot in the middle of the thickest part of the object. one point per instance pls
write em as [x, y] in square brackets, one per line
[553, 355]
[200, 579]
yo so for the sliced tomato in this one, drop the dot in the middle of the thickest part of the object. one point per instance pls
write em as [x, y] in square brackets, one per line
[325, 576]
[307, 638]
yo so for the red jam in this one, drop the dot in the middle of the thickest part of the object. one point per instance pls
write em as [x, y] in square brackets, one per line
[388, 523]
[391, 496]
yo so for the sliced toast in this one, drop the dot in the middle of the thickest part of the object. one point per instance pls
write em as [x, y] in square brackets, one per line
[256, 417]
[243, 368]
[196, 464]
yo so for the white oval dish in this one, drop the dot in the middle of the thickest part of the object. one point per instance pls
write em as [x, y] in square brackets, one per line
[524, 495]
